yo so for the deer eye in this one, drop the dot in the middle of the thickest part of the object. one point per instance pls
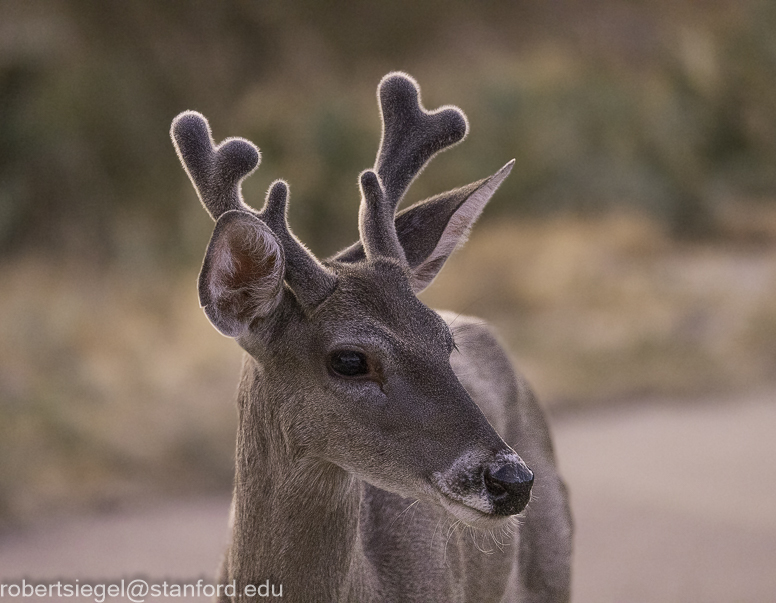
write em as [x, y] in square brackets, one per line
[349, 363]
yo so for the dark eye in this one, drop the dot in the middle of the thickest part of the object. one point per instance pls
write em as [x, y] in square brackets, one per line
[349, 363]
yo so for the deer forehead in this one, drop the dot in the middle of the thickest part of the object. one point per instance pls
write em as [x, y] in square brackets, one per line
[374, 301]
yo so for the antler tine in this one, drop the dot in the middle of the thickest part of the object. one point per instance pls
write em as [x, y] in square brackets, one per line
[310, 281]
[375, 220]
[215, 171]
[411, 135]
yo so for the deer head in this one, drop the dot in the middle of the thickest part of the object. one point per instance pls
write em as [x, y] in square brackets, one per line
[355, 369]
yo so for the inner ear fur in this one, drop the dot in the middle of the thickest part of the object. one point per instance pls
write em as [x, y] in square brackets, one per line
[242, 273]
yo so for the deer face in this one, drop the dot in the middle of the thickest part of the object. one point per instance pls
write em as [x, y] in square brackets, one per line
[363, 365]
[372, 391]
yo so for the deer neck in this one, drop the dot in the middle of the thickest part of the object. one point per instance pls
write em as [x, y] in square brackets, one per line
[295, 518]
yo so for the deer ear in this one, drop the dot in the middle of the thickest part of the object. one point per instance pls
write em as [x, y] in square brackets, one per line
[431, 230]
[442, 224]
[242, 274]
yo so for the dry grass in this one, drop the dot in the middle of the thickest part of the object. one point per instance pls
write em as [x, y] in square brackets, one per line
[110, 385]
[610, 308]
[113, 385]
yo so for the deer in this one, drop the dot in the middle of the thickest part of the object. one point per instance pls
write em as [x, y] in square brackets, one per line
[377, 440]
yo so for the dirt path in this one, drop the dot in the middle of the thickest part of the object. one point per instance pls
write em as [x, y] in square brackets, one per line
[672, 504]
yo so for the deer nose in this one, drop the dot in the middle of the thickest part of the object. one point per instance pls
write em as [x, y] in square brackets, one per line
[509, 488]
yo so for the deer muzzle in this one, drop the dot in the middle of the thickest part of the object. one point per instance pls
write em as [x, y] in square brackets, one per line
[483, 490]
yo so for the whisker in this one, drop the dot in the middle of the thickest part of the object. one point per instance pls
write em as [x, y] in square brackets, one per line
[450, 532]
[395, 519]
[433, 534]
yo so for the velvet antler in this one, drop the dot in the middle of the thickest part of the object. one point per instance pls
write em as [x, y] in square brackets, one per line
[411, 137]
[424, 235]
[217, 173]
[411, 134]
[310, 281]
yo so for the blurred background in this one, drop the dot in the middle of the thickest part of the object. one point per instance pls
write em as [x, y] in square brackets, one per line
[631, 253]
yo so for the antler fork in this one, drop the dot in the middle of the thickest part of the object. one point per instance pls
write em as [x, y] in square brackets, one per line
[217, 173]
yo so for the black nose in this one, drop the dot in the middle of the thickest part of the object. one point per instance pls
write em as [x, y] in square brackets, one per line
[509, 488]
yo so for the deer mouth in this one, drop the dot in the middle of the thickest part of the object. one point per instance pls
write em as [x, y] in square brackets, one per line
[465, 512]
[473, 509]
[476, 518]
